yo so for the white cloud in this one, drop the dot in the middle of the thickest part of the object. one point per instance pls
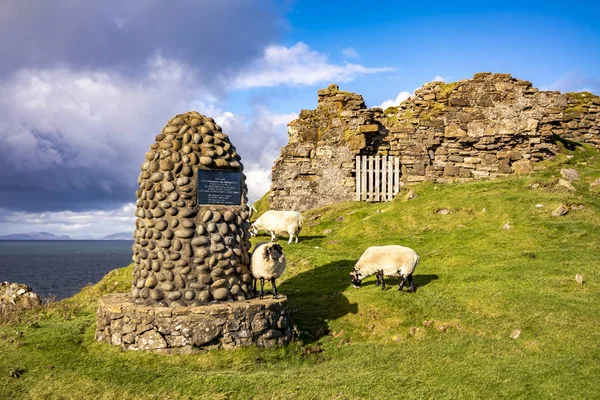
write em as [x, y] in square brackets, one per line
[75, 224]
[349, 52]
[394, 102]
[297, 66]
[438, 78]
[575, 81]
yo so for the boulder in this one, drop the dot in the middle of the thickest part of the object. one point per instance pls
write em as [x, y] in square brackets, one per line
[18, 295]
[570, 174]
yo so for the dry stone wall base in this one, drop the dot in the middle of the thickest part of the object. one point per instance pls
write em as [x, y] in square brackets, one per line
[479, 128]
[131, 326]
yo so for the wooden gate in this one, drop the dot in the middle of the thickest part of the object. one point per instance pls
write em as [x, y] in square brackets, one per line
[377, 178]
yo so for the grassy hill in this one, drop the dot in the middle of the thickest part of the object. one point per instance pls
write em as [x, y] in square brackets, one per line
[477, 284]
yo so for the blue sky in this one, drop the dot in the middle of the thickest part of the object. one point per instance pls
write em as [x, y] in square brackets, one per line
[87, 85]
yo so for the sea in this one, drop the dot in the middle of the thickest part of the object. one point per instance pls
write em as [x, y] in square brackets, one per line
[60, 268]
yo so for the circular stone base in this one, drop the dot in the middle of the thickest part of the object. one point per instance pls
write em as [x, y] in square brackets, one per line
[121, 322]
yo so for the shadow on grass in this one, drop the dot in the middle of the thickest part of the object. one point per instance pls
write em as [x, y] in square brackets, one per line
[315, 298]
[392, 283]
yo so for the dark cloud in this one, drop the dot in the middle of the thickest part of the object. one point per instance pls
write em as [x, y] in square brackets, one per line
[211, 35]
[86, 86]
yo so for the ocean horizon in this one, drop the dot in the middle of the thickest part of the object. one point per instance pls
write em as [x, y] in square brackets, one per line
[61, 268]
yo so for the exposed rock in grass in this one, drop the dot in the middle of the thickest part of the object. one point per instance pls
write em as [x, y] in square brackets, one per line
[516, 333]
[565, 184]
[506, 226]
[411, 194]
[561, 210]
[595, 186]
[442, 211]
[523, 167]
[570, 174]
[18, 296]
[579, 279]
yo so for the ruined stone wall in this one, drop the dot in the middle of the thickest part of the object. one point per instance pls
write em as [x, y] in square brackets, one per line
[490, 125]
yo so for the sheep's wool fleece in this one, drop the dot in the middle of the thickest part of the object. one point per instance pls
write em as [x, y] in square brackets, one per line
[280, 221]
[393, 260]
[262, 266]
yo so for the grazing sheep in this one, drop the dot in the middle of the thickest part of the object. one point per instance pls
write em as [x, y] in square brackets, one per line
[394, 261]
[267, 262]
[278, 222]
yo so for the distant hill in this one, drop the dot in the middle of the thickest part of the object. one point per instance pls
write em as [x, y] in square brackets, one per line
[34, 236]
[118, 236]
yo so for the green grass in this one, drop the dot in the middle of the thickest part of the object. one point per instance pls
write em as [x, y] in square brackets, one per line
[476, 284]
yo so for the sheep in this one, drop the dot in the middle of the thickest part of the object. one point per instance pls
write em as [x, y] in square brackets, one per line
[280, 222]
[267, 262]
[394, 261]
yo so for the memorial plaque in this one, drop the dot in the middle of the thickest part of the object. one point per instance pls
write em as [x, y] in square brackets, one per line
[219, 187]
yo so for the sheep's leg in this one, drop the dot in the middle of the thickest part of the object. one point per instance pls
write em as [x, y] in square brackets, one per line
[412, 284]
[377, 282]
[296, 238]
[254, 292]
[402, 282]
[272, 236]
[291, 237]
[262, 288]
[382, 281]
[275, 293]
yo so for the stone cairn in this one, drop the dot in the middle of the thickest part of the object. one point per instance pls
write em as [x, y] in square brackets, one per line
[192, 283]
[186, 254]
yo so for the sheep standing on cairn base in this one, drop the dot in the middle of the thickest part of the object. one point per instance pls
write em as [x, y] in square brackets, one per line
[267, 262]
[394, 261]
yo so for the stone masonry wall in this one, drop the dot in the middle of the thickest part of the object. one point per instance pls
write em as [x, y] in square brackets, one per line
[261, 322]
[490, 125]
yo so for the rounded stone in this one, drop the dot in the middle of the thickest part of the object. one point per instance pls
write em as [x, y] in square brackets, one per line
[144, 293]
[176, 295]
[166, 165]
[200, 241]
[220, 294]
[155, 266]
[174, 256]
[211, 227]
[185, 270]
[168, 234]
[216, 217]
[228, 216]
[207, 216]
[219, 283]
[167, 286]
[183, 180]
[157, 177]
[168, 187]
[205, 278]
[177, 245]
[156, 294]
[235, 290]
[187, 171]
[184, 233]
[189, 295]
[161, 225]
[223, 228]
[204, 160]
[204, 297]
[158, 212]
[187, 223]
[179, 281]
[151, 282]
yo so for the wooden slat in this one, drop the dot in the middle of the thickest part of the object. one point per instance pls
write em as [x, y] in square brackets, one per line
[377, 191]
[384, 178]
[391, 178]
[396, 176]
[363, 178]
[369, 178]
[357, 177]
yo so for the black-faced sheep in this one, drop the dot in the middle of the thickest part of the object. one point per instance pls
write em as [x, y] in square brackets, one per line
[278, 222]
[267, 262]
[393, 261]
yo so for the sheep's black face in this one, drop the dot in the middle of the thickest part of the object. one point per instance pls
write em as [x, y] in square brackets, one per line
[253, 230]
[355, 279]
[275, 253]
